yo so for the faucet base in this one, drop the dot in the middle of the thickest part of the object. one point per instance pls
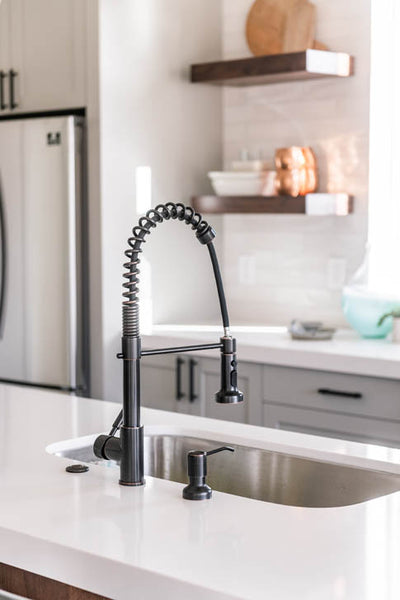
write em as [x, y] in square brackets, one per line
[132, 463]
[132, 484]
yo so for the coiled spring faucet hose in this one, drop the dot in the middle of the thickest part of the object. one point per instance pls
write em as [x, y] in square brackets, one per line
[164, 212]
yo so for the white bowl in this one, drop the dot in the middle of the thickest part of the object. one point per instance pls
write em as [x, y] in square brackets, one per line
[251, 183]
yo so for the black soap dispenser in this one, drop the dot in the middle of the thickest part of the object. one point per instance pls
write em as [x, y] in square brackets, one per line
[197, 472]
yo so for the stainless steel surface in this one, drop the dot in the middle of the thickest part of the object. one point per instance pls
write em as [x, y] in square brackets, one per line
[70, 168]
[259, 474]
[42, 177]
[8, 596]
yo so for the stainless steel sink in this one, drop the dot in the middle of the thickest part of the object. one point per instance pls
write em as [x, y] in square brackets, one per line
[259, 474]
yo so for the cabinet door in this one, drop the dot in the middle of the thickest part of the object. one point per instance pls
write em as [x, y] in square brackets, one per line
[191, 403]
[159, 386]
[249, 382]
[5, 38]
[171, 382]
[48, 52]
[334, 425]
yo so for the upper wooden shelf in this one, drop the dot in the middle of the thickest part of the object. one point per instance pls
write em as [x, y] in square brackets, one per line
[274, 68]
[312, 204]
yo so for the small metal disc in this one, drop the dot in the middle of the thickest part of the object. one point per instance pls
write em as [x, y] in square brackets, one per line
[77, 468]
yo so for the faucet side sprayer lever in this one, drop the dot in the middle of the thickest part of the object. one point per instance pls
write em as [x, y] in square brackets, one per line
[128, 448]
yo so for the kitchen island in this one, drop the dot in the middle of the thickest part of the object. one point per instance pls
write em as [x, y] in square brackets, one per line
[148, 543]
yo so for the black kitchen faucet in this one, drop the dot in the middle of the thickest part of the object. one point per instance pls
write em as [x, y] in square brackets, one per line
[128, 448]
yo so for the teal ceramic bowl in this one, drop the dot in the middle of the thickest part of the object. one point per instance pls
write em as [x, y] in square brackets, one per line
[363, 313]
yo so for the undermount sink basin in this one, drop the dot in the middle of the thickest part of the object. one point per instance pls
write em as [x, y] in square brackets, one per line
[255, 473]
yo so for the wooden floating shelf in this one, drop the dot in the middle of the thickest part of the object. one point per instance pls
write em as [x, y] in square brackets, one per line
[311, 204]
[274, 68]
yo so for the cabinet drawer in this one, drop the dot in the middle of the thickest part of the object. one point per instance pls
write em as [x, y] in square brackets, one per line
[326, 424]
[326, 391]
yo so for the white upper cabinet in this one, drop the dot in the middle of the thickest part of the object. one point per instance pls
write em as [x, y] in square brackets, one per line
[4, 34]
[43, 53]
[5, 52]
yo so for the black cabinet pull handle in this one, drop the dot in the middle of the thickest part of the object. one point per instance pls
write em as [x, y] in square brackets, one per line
[3, 263]
[3, 104]
[179, 394]
[329, 392]
[192, 368]
[13, 74]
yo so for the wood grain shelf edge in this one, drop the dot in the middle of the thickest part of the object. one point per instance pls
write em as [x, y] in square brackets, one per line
[269, 204]
[309, 64]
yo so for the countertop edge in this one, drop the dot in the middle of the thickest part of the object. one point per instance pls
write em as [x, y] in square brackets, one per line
[111, 577]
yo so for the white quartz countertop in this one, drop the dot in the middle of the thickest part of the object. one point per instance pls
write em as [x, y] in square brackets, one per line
[345, 353]
[148, 543]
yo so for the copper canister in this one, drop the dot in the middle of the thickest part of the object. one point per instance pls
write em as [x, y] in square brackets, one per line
[296, 171]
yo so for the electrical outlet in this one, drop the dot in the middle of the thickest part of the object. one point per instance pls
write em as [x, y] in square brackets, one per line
[336, 273]
[247, 269]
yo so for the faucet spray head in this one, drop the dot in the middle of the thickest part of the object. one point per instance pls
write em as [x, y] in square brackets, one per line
[229, 392]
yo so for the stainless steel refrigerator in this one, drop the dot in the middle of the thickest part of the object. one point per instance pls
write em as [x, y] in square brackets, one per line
[43, 255]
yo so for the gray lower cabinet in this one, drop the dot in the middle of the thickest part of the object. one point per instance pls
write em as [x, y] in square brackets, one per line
[158, 382]
[188, 383]
[334, 425]
[359, 408]
[165, 383]
[171, 382]
[249, 382]
[351, 407]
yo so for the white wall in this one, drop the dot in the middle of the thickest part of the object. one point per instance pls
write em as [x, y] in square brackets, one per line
[94, 203]
[151, 115]
[384, 181]
[291, 254]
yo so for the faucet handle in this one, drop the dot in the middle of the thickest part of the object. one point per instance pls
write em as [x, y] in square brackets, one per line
[197, 472]
[229, 448]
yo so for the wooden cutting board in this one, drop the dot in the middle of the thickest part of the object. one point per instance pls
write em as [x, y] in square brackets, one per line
[276, 26]
[300, 27]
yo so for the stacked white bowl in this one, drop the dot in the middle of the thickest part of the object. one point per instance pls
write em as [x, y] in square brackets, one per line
[247, 178]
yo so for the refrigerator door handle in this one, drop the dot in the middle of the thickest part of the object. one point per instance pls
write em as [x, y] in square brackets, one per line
[3, 263]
